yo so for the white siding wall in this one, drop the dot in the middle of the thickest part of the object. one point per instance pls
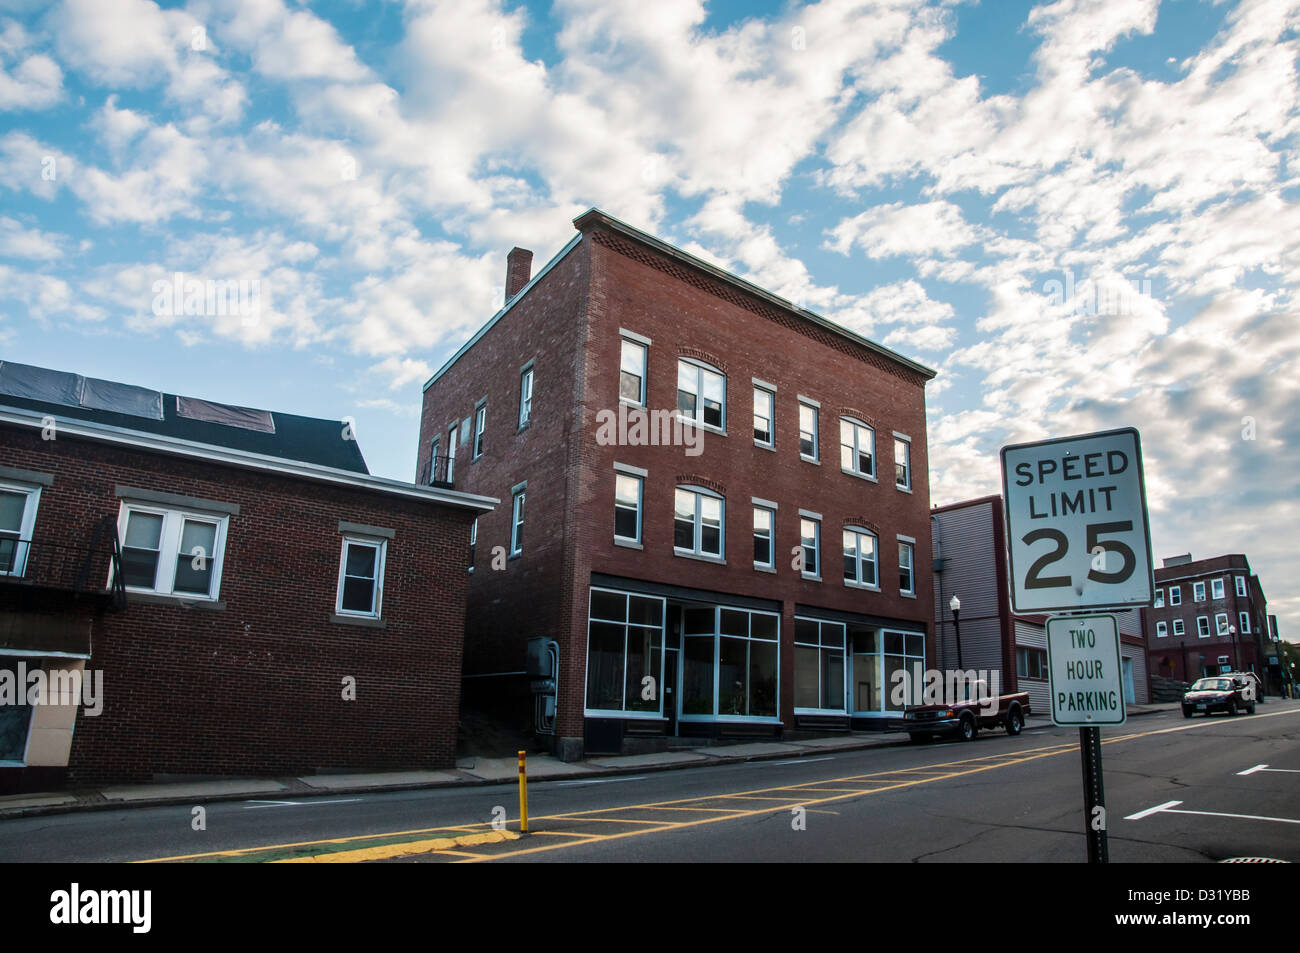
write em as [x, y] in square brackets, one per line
[964, 539]
[1034, 636]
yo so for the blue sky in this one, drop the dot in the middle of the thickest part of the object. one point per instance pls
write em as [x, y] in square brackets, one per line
[926, 173]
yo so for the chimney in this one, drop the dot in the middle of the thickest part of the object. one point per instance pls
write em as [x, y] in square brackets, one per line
[519, 268]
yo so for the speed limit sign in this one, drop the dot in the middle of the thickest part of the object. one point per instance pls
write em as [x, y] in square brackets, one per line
[1077, 534]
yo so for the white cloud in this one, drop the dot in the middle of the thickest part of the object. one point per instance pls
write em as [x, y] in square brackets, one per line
[900, 229]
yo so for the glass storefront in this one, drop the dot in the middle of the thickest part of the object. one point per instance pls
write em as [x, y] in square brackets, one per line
[730, 663]
[625, 646]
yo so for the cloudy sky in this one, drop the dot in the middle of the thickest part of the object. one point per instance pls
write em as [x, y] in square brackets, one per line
[1083, 214]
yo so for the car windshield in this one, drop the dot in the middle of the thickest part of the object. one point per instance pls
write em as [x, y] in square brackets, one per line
[1213, 685]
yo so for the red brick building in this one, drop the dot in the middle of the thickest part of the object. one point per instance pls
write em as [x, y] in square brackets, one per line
[236, 594]
[1209, 616]
[715, 503]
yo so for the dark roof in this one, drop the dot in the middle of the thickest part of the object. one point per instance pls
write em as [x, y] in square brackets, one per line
[309, 440]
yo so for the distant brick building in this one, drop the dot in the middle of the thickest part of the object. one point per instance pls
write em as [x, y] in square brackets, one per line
[250, 599]
[970, 562]
[715, 503]
[1209, 616]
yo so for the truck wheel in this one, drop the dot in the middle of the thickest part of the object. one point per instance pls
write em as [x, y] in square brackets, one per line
[1015, 721]
[966, 728]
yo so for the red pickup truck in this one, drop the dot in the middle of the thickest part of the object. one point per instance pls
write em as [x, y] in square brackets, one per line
[966, 718]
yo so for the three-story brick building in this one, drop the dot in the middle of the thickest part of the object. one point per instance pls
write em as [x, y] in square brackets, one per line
[715, 503]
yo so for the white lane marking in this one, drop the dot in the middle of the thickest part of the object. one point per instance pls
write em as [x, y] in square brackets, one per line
[1264, 767]
[562, 784]
[1152, 810]
[792, 761]
[254, 805]
[1169, 808]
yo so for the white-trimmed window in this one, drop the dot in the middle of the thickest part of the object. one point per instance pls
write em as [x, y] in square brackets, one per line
[517, 522]
[764, 417]
[625, 638]
[810, 538]
[1198, 592]
[857, 448]
[434, 446]
[860, 558]
[631, 372]
[701, 393]
[480, 424]
[1216, 589]
[1179, 629]
[525, 396]
[764, 553]
[1162, 630]
[18, 504]
[361, 577]
[1203, 626]
[698, 522]
[730, 664]
[453, 433]
[906, 572]
[1243, 622]
[473, 542]
[1159, 601]
[808, 449]
[902, 461]
[171, 552]
[1175, 595]
[818, 666]
[1241, 585]
[1221, 623]
[627, 507]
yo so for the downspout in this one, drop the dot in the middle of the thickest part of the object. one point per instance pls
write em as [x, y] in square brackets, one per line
[938, 559]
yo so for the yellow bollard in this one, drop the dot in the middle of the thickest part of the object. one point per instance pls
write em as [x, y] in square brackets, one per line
[523, 792]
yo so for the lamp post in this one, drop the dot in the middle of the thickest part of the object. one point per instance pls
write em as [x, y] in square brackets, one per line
[1232, 631]
[955, 605]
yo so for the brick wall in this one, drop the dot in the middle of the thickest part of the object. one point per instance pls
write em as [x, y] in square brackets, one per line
[255, 688]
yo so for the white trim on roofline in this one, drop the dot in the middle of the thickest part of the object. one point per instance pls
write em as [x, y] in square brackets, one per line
[103, 433]
[491, 322]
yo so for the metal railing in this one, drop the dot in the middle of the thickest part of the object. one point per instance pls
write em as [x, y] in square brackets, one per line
[95, 569]
[437, 471]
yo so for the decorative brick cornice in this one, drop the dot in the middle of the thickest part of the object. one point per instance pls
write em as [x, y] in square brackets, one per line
[704, 356]
[651, 259]
[858, 415]
[694, 479]
[864, 523]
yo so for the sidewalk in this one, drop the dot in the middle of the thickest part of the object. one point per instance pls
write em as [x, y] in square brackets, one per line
[468, 771]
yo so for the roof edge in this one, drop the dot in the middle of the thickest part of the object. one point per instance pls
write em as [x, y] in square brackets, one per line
[104, 433]
[594, 216]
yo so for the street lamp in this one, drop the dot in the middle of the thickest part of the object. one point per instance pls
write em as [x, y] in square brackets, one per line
[955, 605]
[1232, 631]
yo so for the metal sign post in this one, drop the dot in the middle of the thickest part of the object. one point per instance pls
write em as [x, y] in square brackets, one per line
[1078, 540]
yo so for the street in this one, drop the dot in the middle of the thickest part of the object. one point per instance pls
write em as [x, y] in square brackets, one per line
[1179, 790]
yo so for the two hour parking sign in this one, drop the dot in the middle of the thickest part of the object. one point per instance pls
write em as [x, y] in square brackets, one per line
[1077, 533]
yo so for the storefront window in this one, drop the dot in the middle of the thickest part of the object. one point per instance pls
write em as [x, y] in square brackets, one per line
[878, 655]
[625, 640]
[737, 650]
[819, 665]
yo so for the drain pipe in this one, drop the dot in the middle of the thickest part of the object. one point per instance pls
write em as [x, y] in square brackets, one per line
[938, 560]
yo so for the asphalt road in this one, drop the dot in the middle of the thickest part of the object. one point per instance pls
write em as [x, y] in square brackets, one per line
[996, 799]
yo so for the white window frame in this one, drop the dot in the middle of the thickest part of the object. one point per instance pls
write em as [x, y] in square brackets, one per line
[1203, 632]
[526, 395]
[640, 503]
[1158, 600]
[701, 368]
[1179, 627]
[1241, 585]
[453, 438]
[816, 455]
[1176, 595]
[377, 601]
[770, 396]
[1221, 623]
[1198, 591]
[771, 535]
[857, 581]
[906, 441]
[910, 544]
[517, 504]
[480, 425]
[169, 547]
[1218, 588]
[473, 543]
[1243, 622]
[697, 551]
[1162, 629]
[816, 521]
[25, 528]
[821, 647]
[626, 712]
[642, 345]
[856, 427]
